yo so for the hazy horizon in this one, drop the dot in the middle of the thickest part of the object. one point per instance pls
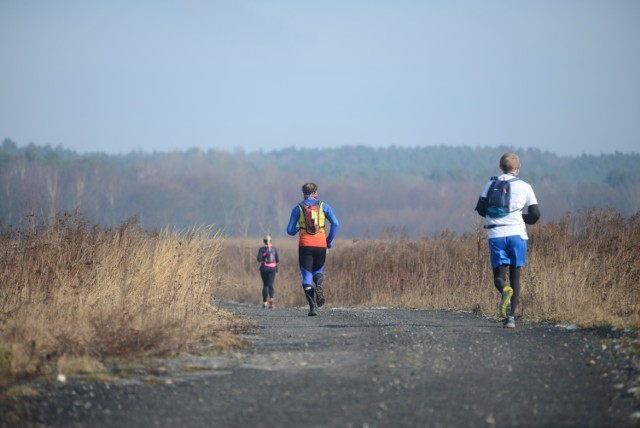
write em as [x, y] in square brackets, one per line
[116, 77]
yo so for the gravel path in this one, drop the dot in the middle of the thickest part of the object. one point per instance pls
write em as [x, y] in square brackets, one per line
[365, 368]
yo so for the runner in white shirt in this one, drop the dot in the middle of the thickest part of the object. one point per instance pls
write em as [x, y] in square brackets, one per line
[508, 235]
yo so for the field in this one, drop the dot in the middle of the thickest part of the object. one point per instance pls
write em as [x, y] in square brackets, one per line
[77, 297]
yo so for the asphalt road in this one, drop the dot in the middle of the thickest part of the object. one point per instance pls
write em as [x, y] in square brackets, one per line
[365, 368]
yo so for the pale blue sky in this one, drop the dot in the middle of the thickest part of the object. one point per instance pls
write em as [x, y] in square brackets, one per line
[116, 76]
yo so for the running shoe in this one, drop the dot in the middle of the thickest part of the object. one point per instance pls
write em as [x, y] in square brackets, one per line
[319, 295]
[510, 322]
[505, 302]
[313, 311]
[270, 303]
[264, 304]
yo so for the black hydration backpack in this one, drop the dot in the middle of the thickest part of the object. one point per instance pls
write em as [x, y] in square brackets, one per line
[498, 197]
[268, 255]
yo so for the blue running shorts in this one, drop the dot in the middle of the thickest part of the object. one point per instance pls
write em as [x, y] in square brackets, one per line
[508, 250]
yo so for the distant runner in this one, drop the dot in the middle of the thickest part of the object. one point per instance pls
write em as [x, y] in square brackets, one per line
[508, 203]
[268, 258]
[309, 219]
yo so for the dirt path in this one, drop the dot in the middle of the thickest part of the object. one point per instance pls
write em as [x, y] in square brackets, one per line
[368, 368]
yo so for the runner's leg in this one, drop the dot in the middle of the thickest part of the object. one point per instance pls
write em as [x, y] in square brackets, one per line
[517, 251]
[514, 279]
[319, 257]
[500, 277]
[265, 289]
[305, 258]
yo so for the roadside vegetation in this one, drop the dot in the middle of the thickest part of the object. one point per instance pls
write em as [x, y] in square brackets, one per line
[77, 298]
[81, 298]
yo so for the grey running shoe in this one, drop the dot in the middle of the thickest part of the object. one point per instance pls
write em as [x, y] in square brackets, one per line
[510, 322]
[313, 312]
[319, 295]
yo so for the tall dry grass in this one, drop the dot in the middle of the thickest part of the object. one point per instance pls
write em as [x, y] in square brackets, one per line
[583, 269]
[71, 289]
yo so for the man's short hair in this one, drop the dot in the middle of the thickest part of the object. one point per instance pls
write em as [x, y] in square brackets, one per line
[309, 189]
[509, 162]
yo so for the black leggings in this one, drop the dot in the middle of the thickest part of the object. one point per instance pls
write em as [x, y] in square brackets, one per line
[268, 278]
[500, 281]
[311, 261]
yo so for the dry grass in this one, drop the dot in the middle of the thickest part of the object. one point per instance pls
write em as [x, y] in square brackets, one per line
[72, 290]
[583, 269]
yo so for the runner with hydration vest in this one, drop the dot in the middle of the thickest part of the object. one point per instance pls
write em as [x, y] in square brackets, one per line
[508, 203]
[308, 219]
[268, 258]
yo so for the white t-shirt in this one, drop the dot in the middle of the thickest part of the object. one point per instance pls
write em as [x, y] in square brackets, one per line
[512, 224]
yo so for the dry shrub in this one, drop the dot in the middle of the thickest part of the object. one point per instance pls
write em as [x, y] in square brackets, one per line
[435, 273]
[582, 269]
[585, 269]
[75, 364]
[71, 289]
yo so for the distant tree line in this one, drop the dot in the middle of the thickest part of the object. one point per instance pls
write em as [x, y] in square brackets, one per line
[414, 191]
